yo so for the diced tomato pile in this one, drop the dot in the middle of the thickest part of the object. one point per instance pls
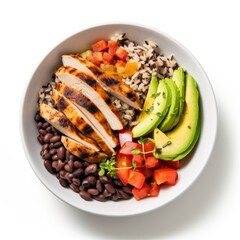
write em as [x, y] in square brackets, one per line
[137, 166]
[111, 57]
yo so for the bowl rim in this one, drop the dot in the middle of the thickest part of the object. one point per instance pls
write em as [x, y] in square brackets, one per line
[102, 25]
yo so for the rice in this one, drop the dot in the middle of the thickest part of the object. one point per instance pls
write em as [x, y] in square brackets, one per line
[151, 62]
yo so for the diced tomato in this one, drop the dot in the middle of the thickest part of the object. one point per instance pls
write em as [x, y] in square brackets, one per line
[125, 135]
[96, 58]
[154, 188]
[167, 176]
[172, 164]
[128, 147]
[112, 47]
[147, 172]
[100, 46]
[121, 54]
[141, 193]
[123, 161]
[149, 147]
[138, 158]
[107, 58]
[112, 44]
[136, 179]
[151, 162]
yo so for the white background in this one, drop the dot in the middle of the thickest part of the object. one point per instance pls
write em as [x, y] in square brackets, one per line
[210, 208]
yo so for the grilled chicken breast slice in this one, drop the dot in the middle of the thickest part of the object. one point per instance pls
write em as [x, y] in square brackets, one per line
[82, 151]
[80, 121]
[62, 124]
[111, 83]
[90, 87]
[90, 110]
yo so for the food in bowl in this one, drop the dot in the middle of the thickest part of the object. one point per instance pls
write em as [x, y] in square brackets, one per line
[117, 119]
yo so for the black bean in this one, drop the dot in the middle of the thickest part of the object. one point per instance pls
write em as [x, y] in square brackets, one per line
[55, 139]
[85, 195]
[54, 164]
[117, 183]
[72, 157]
[127, 189]
[45, 125]
[47, 137]
[123, 195]
[54, 157]
[69, 177]
[67, 154]
[74, 187]
[91, 179]
[69, 167]
[51, 146]
[93, 191]
[45, 146]
[42, 132]
[99, 186]
[46, 154]
[63, 182]
[37, 117]
[92, 168]
[48, 166]
[39, 125]
[104, 179]
[76, 181]
[60, 165]
[77, 164]
[78, 172]
[85, 183]
[49, 129]
[63, 174]
[61, 152]
[100, 198]
[114, 197]
[109, 187]
[106, 193]
[40, 139]
[57, 144]
[53, 151]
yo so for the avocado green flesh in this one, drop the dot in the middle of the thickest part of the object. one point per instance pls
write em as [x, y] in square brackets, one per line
[182, 136]
[168, 121]
[179, 78]
[149, 98]
[190, 148]
[156, 112]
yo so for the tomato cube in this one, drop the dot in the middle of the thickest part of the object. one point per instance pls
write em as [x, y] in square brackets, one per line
[121, 54]
[173, 164]
[154, 188]
[166, 176]
[138, 158]
[149, 146]
[142, 192]
[107, 58]
[124, 164]
[151, 162]
[100, 46]
[112, 47]
[136, 179]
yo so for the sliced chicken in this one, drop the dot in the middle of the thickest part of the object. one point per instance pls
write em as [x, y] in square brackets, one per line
[111, 83]
[62, 124]
[80, 121]
[82, 151]
[90, 87]
[90, 110]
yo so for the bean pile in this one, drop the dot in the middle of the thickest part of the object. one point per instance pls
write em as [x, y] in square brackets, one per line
[74, 173]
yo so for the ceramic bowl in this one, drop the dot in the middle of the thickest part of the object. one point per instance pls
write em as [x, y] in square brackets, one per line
[80, 42]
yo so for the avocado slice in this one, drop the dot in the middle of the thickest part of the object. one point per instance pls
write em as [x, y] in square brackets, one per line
[156, 112]
[151, 95]
[178, 140]
[168, 121]
[179, 78]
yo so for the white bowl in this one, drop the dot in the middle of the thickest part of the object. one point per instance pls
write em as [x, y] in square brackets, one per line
[81, 41]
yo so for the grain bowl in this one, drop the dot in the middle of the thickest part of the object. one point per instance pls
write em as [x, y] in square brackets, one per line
[156, 54]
